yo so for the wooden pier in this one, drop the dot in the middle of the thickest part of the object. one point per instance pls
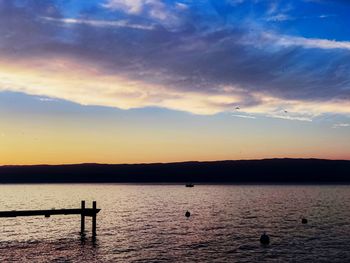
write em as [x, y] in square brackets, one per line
[83, 212]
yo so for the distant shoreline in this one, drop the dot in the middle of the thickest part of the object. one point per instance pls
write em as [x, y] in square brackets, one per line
[266, 171]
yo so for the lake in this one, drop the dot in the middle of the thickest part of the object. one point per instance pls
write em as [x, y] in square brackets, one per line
[147, 223]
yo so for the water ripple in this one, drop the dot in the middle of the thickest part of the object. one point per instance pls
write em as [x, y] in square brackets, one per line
[146, 223]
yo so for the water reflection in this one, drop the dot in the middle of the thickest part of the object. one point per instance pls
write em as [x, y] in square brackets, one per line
[146, 223]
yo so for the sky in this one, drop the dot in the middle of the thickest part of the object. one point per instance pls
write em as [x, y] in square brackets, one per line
[133, 81]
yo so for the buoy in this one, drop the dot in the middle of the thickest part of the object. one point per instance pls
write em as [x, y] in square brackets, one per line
[264, 239]
[304, 221]
[187, 214]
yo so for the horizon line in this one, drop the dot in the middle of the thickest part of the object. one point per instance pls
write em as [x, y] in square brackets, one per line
[175, 162]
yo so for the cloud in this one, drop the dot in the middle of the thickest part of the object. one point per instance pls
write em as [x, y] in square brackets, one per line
[279, 18]
[244, 116]
[129, 6]
[154, 8]
[326, 16]
[44, 99]
[340, 125]
[181, 6]
[288, 41]
[98, 23]
[116, 91]
[292, 118]
[204, 63]
[98, 89]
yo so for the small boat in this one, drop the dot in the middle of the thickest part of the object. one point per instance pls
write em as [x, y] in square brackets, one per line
[189, 185]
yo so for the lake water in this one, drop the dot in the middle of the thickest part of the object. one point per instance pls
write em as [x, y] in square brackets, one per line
[146, 223]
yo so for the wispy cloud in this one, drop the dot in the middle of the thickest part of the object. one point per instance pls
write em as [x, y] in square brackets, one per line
[292, 118]
[326, 16]
[279, 18]
[45, 99]
[181, 6]
[341, 125]
[129, 6]
[154, 8]
[99, 23]
[287, 41]
[286, 17]
[243, 116]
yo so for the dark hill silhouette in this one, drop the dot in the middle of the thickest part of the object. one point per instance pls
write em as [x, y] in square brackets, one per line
[243, 171]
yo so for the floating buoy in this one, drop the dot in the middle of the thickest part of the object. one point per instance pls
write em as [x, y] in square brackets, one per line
[304, 221]
[187, 214]
[264, 239]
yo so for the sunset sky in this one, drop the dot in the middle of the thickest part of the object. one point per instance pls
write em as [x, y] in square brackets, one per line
[130, 81]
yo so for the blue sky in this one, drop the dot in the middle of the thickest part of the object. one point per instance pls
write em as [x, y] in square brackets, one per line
[261, 61]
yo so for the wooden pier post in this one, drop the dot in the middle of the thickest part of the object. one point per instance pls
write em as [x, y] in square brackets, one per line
[82, 225]
[94, 218]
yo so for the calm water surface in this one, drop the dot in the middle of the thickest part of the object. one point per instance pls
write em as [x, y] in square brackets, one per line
[146, 223]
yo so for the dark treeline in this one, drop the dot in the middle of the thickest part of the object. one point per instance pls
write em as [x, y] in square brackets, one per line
[245, 171]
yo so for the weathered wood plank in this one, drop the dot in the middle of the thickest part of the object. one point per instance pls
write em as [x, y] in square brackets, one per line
[78, 211]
